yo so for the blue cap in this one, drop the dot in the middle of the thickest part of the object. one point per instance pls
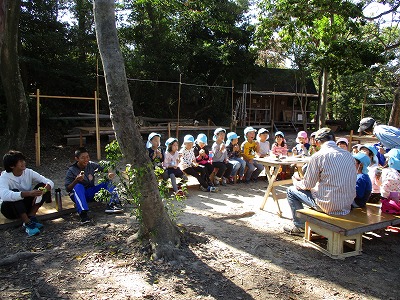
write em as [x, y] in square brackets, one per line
[231, 136]
[150, 137]
[216, 131]
[394, 159]
[249, 129]
[279, 133]
[364, 159]
[370, 148]
[188, 139]
[202, 138]
[170, 140]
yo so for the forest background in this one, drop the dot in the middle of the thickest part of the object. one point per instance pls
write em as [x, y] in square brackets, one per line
[351, 50]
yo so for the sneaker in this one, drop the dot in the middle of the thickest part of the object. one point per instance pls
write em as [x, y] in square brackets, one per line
[216, 180]
[231, 180]
[202, 188]
[212, 189]
[180, 193]
[84, 217]
[293, 230]
[223, 181]
[31, 229]
[37, 224]
[113, 208]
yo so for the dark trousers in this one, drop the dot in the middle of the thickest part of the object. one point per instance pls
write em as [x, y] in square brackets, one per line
[14, 209]
[224, 169]
[199, 172]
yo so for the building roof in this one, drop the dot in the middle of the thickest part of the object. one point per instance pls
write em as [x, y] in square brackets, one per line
[286, 82]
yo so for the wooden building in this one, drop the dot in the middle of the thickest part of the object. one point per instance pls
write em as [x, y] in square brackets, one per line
[276, 98]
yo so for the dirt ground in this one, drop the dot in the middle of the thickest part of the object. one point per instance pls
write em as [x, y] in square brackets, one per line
[231, 250]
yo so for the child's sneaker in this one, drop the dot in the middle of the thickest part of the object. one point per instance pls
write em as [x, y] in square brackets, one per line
[31, 229]
[37, 224]
[180, 193]
[223, 181]
[212, 189]
[202, 188]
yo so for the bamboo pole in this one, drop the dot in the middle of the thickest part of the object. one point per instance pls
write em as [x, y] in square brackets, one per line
[179, 105]
[37, 135]
[96, 111]
[232, 110]
[169, 129]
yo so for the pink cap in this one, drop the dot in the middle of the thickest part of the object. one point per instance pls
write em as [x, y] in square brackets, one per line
[302, 134]
[342, 140]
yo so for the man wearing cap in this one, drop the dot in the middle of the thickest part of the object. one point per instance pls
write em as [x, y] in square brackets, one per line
[329, 182]
[389, 136]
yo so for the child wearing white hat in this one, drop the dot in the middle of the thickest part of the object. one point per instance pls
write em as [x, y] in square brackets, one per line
[220, 158]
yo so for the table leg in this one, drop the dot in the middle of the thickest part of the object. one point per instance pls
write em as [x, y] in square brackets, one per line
[271, 180]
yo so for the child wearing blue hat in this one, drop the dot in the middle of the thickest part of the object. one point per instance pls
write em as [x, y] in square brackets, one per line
[189, 165]
[171, 166]
[234, 156]
[203, 155]
[249, 148]
[363, 184]
[374, 171]
[220, 158]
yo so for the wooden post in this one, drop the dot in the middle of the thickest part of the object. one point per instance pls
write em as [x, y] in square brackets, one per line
[350, 140]
[179, 105]
[232, 110]
[37, 135]
[96, 111]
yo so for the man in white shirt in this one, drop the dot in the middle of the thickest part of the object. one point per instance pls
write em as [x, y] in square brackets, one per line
[23, 191]
[329, 184]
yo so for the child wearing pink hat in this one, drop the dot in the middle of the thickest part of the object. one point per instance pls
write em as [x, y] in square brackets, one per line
[302, 146]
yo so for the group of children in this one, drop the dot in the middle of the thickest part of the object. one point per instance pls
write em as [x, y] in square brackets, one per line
[225, 162]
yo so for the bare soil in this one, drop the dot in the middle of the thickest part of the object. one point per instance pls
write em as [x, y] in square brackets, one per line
[231, 250]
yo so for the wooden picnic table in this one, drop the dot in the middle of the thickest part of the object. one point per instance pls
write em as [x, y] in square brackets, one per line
[272, 165]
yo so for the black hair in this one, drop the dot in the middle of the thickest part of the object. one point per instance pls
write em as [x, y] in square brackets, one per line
[326, 137]
[169, 148]
[283, 141]
[79, 151]
[11, 158]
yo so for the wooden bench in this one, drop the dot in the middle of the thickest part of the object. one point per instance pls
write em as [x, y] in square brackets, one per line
[344, 233]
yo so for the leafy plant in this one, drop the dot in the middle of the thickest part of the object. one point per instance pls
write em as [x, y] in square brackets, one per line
[130, 180]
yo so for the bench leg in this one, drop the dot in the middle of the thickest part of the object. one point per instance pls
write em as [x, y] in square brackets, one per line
[335, 241]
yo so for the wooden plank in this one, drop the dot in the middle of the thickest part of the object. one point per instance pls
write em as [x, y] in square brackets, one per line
[359, 220]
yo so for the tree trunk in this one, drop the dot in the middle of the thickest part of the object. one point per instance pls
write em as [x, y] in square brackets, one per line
[157, 225]
[394, 119]
[17, 105]
[324, 98]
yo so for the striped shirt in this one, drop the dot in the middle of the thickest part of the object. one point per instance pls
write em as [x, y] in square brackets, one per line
[331, 176]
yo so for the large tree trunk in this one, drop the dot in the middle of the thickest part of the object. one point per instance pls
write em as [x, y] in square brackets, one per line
[324, 98]
[17, 106]
[156, 223]
[394, 119]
